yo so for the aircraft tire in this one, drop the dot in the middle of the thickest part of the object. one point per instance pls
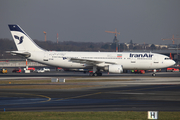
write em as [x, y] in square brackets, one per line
[153, 74]
[100, 74]
[95, 74]
[91, 74]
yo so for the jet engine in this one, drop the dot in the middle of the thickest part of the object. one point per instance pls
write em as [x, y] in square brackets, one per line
[114, 68]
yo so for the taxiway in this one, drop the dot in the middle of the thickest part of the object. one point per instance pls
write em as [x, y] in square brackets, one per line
[130, 92]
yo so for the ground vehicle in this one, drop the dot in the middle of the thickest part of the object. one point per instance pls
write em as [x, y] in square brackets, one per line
[169, 69]
[172, 70]
[176, 70]
[40, 70]
[43, 70]
[60, 69]
[17, 70]
[30, 68]
[138, 71]
[3, 70]
[46, 69]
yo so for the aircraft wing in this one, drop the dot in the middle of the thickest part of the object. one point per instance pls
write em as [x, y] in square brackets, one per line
[89, 62]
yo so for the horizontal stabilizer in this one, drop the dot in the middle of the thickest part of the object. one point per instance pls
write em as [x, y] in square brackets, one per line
[21, 53]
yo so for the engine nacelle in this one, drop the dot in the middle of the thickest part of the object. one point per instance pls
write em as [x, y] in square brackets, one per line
[114, 68]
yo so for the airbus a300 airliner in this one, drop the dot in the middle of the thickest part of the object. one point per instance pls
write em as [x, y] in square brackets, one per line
[113, 62]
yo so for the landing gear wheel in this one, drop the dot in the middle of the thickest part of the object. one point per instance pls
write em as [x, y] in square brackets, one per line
[153, 74]
[99, 74]
[90, 74]
[95, 74]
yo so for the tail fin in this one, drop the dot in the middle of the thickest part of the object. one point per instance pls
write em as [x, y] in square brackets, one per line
[22, 40]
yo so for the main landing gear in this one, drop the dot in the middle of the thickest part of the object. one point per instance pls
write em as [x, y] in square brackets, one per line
[95, 72]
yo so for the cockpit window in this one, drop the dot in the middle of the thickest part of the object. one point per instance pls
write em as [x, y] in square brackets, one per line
[167, 58]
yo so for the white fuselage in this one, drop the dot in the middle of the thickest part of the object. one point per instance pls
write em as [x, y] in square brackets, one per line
[128, 60]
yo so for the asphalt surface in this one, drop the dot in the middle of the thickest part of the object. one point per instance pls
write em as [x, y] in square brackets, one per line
[143, 93]
[79, 74]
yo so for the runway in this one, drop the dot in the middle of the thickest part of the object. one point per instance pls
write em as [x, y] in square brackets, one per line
[128, 93]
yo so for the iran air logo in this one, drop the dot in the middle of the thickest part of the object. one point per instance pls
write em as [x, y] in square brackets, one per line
[20, 39]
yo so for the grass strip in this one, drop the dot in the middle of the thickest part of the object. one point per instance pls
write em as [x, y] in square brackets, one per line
[49, 81]
[47, 86]
[118, 115]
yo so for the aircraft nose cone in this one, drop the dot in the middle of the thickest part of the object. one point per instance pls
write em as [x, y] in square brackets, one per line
[173, 62]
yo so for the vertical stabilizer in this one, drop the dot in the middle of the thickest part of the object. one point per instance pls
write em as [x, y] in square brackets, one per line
[22, 40]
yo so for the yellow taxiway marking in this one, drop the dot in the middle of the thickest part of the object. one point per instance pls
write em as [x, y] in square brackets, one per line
[108, 92]
[43, 96]
[79, 96]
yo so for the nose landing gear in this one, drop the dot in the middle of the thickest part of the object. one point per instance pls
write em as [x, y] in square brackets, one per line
[154, 73]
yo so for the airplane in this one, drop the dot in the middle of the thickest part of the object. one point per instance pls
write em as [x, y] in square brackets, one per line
[112, 62]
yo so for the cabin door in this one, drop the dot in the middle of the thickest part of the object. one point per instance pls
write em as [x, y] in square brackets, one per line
[156, 60]
[45, 56]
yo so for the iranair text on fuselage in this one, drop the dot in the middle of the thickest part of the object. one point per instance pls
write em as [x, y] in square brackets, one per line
[141, 55]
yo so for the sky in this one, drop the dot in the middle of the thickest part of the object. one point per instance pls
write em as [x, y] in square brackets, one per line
[142, 21]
